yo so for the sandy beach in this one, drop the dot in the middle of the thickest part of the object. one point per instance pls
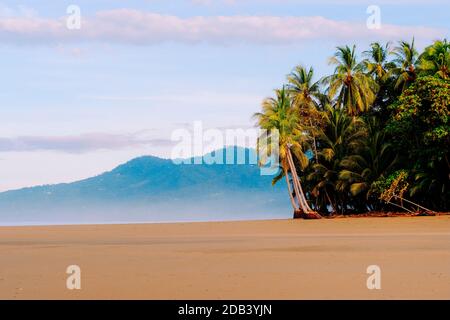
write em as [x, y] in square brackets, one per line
[281, 259]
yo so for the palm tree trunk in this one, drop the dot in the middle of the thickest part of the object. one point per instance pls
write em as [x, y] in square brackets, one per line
[300, 210]
[294, 205]
[307, 208]
[307, 211]
[315, 153]
[301, 198]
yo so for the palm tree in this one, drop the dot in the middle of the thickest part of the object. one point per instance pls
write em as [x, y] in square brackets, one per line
[432, 185]
[372, 162]
[377, 63]
[308, 99]
[353, 89]
[341, 135]
[278, 116]
[435, 60]
[305, 92]
[381, 68]
[406, 64]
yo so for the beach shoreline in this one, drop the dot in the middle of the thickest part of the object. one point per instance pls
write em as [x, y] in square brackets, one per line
[263, 259]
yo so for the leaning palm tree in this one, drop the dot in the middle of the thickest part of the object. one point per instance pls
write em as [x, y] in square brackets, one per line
[278, 116]
[406, 64]
[377, 63]
[352, 88]
[435, 60]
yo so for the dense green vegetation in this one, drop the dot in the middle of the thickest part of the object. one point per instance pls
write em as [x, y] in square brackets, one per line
[373, 136]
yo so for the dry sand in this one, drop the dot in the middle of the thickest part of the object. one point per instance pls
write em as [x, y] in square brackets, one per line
[281, 259]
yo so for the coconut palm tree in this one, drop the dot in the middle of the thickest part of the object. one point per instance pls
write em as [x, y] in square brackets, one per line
[431, 187]
[352, 88]
[435, 60]
[340, 137]
[406, 61]
[377, 63]
[373, 161]
[305, 92]
[308, 100]
[279, 117]
[381, 68]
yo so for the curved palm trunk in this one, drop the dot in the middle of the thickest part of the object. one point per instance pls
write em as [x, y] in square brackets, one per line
[297, 186]
[301, 210]
[307, 212]
[294, 205]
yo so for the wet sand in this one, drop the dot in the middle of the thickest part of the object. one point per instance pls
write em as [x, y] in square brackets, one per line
[280, 259]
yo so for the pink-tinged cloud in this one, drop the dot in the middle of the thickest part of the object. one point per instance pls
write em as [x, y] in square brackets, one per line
[127, 26]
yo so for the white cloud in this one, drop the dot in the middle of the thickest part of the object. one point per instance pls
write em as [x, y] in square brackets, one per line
[128, 26]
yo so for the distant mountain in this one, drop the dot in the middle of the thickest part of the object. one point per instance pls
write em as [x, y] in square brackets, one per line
[151, 189]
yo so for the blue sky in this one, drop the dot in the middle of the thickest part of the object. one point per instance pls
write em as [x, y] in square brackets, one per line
[74, 103]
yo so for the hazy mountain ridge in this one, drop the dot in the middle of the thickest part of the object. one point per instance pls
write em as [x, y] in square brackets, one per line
[147, 186]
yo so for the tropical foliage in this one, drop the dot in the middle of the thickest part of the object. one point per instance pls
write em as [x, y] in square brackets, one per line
[278, 113]
[372, 136]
